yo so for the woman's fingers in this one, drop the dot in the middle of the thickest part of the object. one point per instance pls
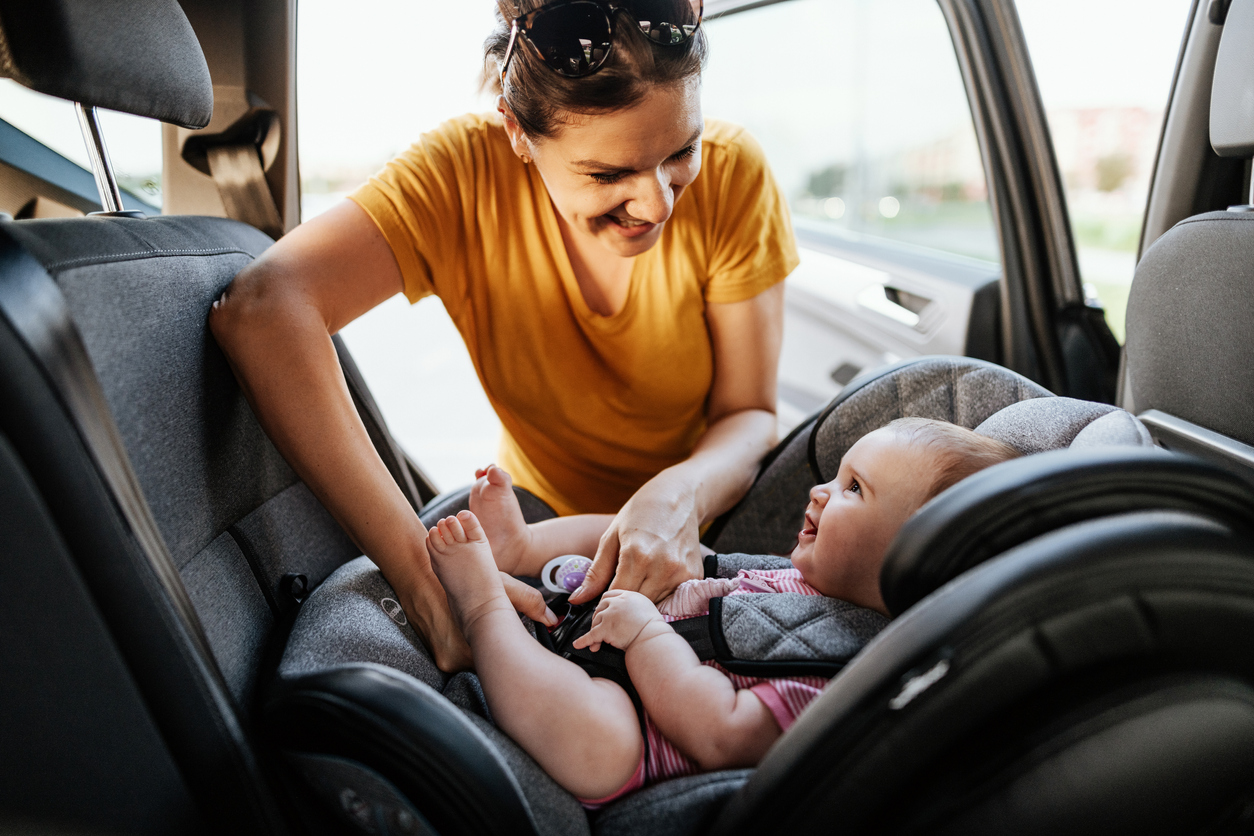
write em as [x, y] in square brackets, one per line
[528, 600]
[601, 572]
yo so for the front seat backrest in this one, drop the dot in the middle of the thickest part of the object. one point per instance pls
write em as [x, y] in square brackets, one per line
[1189, 353]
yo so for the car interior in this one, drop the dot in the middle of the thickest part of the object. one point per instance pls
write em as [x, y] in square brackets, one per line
[191, 644]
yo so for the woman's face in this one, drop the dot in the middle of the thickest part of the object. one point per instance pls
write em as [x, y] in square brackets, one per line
[614, 177]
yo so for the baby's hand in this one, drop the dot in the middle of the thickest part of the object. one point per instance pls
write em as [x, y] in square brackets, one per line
[620, 619]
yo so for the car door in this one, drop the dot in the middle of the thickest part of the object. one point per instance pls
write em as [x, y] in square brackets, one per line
[910, 140]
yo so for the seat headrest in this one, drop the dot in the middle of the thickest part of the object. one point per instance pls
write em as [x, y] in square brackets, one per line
[136, 56]
[1040, 424]
[1232, 90]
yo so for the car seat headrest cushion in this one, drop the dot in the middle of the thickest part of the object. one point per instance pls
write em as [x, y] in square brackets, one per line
[1232, 89]
[1041, 424]
[136, 56]
[961, 390]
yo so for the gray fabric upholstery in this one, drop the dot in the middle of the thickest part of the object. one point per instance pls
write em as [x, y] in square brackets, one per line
[681, 807]
[136, 56]
[230, 510]
[233, 612]
[1232, 89]
[293, 533]
[1118, 428]
[555, 811]
[955, 389]
[466, 692]
[1189, 352]
[769, 627]
[730, 564]
[1041, 424]
[768, 518]
[351, 618]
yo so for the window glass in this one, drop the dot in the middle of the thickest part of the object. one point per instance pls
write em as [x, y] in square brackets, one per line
[372, 75]
[134, 142]
[862, 111]
[1105, 85]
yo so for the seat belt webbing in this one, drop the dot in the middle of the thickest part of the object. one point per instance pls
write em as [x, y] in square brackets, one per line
[236, 169]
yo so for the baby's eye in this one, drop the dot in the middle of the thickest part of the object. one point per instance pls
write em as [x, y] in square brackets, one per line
[854, 487]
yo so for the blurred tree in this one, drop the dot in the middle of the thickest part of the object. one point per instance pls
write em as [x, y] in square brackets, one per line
[1113, 170]
[828, 182]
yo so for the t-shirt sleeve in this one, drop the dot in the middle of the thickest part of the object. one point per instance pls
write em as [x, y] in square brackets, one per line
[418, 201]
[787, 698]
[752, 246]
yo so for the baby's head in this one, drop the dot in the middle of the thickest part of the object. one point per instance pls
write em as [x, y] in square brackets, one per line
[883, 479]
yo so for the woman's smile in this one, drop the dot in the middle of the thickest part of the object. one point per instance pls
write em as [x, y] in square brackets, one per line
[630, 227]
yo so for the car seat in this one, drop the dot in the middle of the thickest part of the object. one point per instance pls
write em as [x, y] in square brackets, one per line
[185, 678]
[1109, 455]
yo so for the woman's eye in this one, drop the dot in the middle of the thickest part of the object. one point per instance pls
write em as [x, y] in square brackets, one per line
[609, 179]
[686, 153]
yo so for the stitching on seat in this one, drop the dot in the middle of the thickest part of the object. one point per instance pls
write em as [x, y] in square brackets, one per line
[788, 632]
[105, 259]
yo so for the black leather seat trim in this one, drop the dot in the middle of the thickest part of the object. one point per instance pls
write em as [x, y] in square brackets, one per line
[58, 420]
[410, 734]
[999, 508]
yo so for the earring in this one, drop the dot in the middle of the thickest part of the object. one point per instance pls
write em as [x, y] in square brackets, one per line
[525, 159]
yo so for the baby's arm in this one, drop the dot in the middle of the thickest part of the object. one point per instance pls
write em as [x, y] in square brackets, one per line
[695, 706]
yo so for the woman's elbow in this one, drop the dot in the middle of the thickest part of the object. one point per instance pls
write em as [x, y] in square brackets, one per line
[244, 309]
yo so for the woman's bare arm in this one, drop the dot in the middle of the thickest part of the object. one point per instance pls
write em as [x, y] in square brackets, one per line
[652, 545]
[275, 323]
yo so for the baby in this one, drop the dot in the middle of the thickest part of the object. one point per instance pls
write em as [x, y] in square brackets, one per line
[585, 731]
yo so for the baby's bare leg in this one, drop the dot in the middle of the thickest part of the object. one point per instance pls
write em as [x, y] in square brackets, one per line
[522, 549]
[582, 731]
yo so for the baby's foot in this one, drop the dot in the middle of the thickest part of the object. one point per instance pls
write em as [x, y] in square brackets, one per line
[463, 562]
[493, 501]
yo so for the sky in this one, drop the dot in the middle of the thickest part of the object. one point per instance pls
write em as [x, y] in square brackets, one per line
[374, 74]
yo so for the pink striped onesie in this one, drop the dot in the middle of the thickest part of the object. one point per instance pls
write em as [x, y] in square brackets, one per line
[784, 697]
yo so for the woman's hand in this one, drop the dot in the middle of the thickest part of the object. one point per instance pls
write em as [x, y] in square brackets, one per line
[621, 618]
[652, 546]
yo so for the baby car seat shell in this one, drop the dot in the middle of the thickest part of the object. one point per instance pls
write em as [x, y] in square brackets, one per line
[1029, 695]
[1008, 504]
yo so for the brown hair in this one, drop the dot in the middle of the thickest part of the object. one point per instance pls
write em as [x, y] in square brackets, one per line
[540, 98]
[960, 452]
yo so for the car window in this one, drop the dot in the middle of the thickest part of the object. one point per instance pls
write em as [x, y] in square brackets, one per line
[861, 109]
[134, 142]
[371, 77]
[1105, 85]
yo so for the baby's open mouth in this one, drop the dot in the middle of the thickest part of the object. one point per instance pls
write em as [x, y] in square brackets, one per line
[810, 527]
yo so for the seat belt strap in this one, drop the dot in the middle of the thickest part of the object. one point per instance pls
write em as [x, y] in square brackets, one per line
[696, 631]
[236, 169]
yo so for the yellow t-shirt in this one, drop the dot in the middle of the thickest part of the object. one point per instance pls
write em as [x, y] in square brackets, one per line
[592, 406]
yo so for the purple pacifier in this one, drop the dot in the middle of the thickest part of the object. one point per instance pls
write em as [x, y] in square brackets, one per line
[565, 573]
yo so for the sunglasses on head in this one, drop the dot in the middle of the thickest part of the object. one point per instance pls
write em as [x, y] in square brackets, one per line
[573, 37]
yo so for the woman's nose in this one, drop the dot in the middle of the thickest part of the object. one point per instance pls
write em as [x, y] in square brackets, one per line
[654, 199]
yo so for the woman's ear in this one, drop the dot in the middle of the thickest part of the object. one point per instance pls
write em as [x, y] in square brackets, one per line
[517, 138]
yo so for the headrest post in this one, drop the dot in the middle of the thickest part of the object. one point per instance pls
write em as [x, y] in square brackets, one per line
[106, 183]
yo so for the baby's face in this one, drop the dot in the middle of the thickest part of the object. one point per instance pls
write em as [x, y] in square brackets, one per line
[851, 520]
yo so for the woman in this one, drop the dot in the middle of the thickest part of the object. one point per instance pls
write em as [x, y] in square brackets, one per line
[614, 265]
